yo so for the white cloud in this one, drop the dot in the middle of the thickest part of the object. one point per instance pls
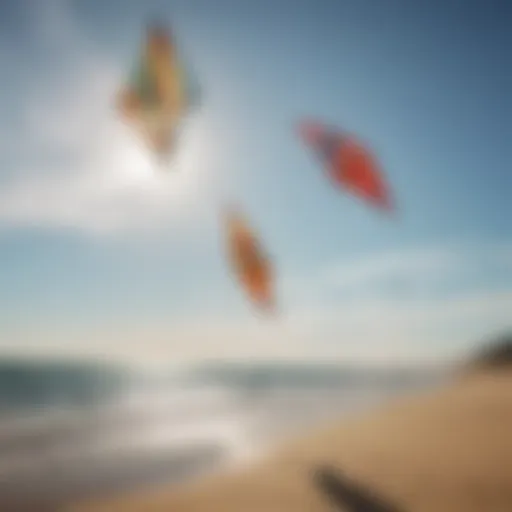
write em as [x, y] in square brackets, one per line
[416, 272]
[86, 169]
[365, 326]
[426, 263]
[368, 327]
[366, 330]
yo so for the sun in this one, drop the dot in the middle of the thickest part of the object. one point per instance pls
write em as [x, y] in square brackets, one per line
[134, 169]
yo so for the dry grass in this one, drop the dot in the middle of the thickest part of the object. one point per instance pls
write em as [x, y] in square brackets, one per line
[446, 451]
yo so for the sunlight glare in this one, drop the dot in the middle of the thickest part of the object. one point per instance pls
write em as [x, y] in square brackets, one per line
[134, 168]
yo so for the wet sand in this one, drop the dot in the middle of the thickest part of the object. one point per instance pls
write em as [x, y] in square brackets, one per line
[62, 484]
[447, 450]
[48, 462]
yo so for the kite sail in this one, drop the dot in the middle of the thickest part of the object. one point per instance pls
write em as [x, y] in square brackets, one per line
[250, 264]
[348, 162]
[160, 93]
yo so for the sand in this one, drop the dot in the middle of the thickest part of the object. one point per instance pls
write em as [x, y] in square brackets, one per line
[448, 450]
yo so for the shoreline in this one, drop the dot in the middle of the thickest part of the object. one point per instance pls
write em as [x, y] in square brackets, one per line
[443, 450]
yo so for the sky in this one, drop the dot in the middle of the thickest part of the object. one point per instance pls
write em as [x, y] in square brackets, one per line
[104, 256]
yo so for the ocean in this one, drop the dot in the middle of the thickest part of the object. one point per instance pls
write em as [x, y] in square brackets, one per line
[90, 432]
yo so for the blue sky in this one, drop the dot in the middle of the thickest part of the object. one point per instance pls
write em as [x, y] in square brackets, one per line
[102, 256]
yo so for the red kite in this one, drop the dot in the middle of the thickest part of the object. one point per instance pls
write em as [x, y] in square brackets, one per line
[348, 162]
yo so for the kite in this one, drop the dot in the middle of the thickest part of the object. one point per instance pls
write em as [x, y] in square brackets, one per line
[348, 162]
[250, 264]
[159, 94]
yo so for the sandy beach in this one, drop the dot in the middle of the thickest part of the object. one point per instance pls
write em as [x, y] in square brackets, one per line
[446, 450]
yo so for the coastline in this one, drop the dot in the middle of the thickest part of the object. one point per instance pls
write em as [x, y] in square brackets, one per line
[443, 450]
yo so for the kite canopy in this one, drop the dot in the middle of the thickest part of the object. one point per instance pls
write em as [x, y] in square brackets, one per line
[348, 162]
[251, 266]
[160, 92]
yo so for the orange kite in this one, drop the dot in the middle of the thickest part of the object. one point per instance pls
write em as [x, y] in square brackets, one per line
[248, 261]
